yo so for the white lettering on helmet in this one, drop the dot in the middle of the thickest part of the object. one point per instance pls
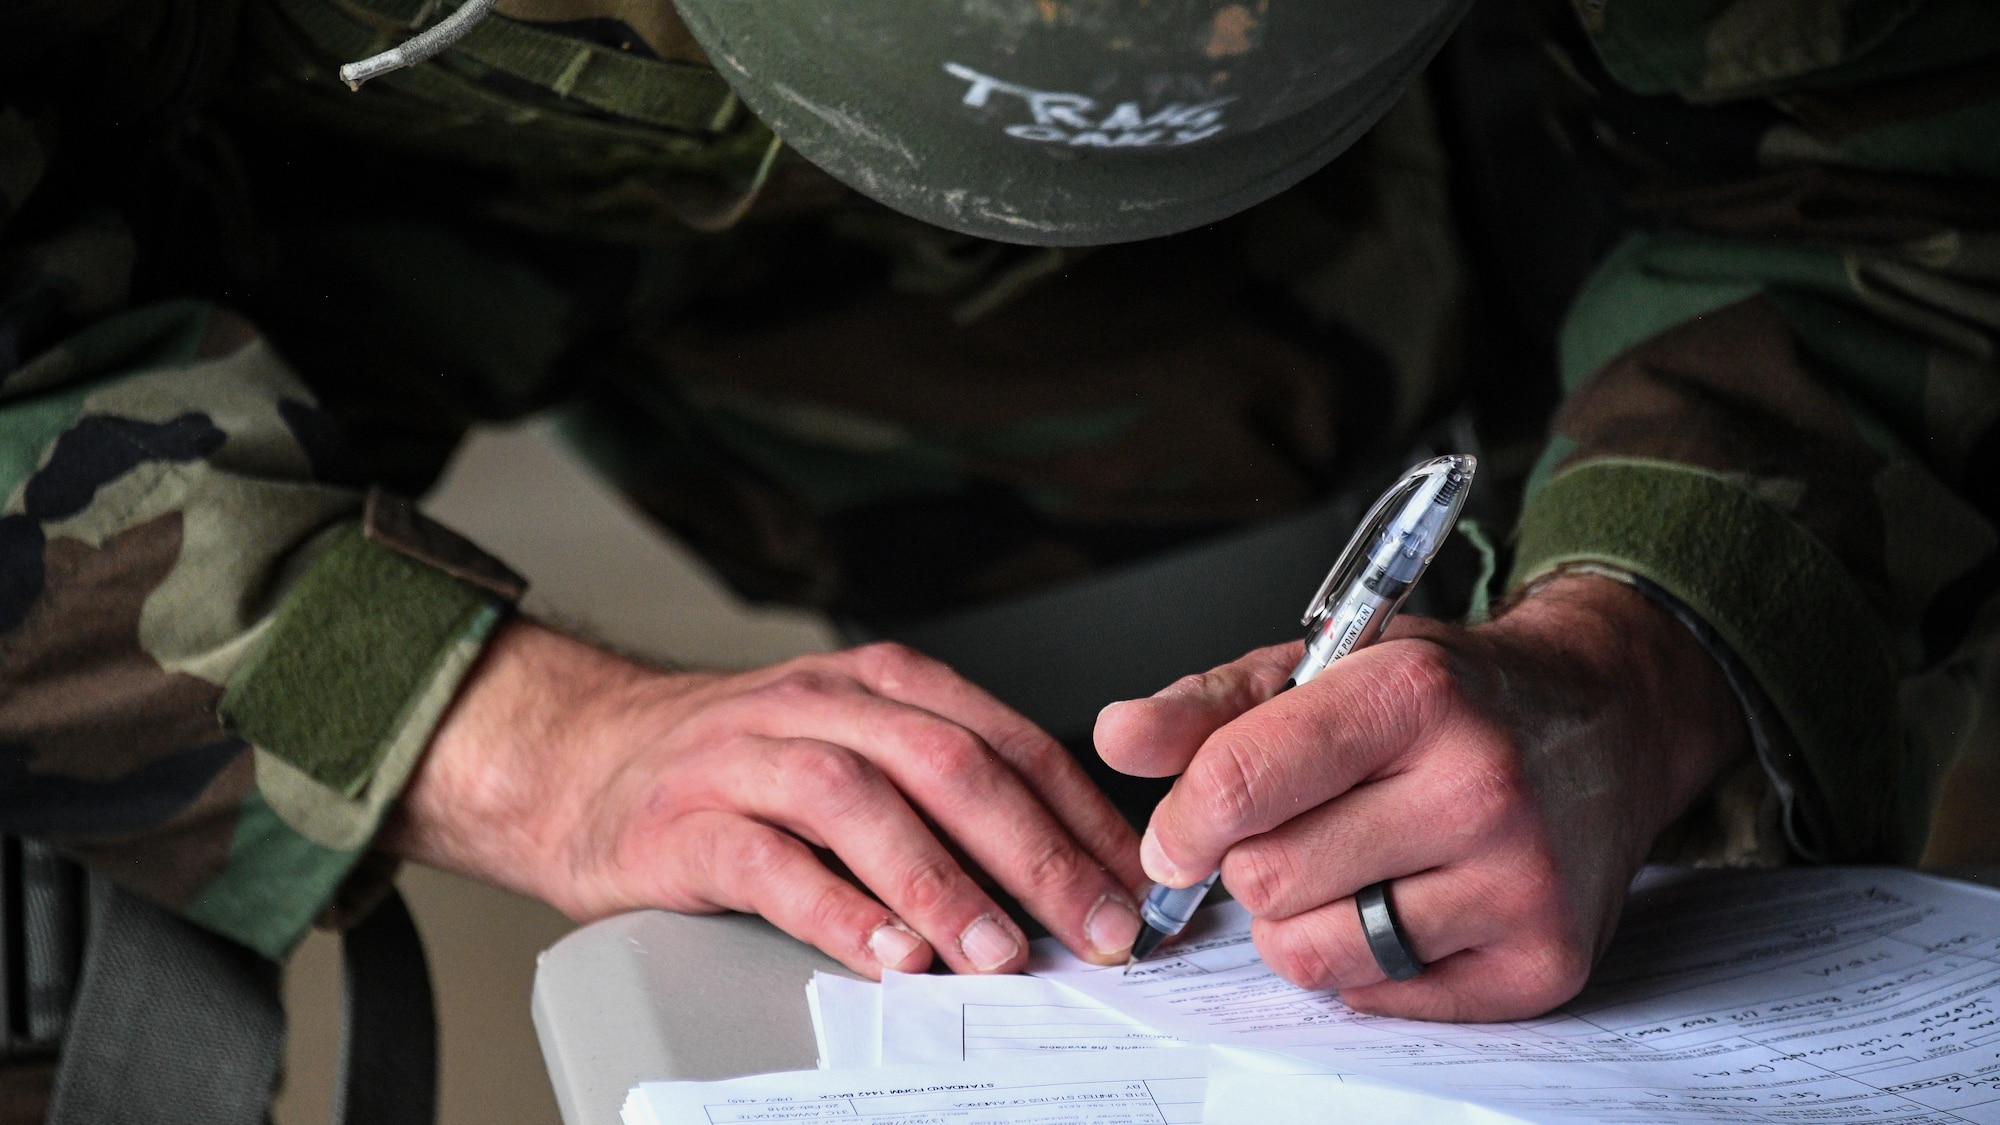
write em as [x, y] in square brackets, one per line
[1075, 119]
[1061, 109]
[1126, 116]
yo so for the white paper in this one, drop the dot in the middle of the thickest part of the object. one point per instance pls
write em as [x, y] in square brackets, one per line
[960, 1019]
[1838, 994]
[1248, 1087]
[818, 1020]
[847, 1021]
[951, 1019]
[1125, 1088]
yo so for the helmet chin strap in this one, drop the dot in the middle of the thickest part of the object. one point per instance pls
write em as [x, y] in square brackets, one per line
[417, 48]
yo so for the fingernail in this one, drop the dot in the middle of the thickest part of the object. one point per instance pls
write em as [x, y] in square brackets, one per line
[1111, 925]
[1158, 867]
[988, 944]
[892, 943]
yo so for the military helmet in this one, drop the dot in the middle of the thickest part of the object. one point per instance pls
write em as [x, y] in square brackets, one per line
[1070, 122]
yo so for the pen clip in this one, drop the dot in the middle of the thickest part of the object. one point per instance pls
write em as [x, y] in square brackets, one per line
[1316, 609]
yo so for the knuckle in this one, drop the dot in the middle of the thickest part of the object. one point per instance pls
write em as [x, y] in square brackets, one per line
[825, 910]
[839, 777]
[1192, 686]
[708, 857]
[1304, 962]
[1257, 877]
[1055, 864]
[1231, 687]
[1554, 971]
[758, 857]
[1491, 794]
[797, 684]
[1222, 791]
[953, 756]
[1211, 684]
[927, 887]
[1039, 756]
[1427, 670]
[1540, 886]
[891, 657]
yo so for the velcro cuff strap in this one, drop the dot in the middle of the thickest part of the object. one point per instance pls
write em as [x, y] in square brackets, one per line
[362, 634]
[1774, 594]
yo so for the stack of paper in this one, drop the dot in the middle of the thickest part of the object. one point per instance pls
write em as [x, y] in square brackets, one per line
[1837, 995]
[1163, 1087]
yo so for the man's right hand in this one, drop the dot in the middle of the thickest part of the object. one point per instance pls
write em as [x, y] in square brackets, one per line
[598, 785]
[1509, 778]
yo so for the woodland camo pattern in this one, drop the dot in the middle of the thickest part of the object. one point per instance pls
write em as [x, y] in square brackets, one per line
[1807, 320]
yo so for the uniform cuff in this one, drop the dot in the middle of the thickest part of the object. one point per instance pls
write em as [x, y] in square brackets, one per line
[1772, 593]
[346, 683]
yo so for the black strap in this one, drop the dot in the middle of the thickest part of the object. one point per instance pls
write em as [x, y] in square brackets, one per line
[42, 904]
[172, 1024]
[388, 1039]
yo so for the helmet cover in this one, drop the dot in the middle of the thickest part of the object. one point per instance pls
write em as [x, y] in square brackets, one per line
[1070, 122]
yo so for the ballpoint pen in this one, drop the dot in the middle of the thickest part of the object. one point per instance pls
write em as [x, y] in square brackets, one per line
[1389, 552]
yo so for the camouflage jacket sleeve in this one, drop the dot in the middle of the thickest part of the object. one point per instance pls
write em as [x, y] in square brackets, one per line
[1782, 404]
[222, 658]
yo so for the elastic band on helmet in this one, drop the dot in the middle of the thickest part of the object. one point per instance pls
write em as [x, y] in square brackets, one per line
[417, 48]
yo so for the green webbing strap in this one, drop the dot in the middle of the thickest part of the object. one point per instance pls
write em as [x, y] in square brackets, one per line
[442, 87]
[176, 1025]
[173, 1025]
[327, 31]
[669, 95]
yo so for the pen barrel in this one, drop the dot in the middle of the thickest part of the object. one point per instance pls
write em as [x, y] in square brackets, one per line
[1354, 624]
[1167, 909]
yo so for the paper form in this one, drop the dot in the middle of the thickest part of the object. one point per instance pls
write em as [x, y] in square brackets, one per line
[951, 1019]
[847, 1020]
[960, 1019]
[1259, 1088]
[1838, 994]
[1127, 1088]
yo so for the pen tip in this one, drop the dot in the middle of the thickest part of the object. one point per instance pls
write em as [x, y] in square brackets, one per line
[1148, 940]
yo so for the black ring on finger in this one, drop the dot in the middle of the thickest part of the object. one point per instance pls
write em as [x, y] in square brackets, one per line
[1385, 937]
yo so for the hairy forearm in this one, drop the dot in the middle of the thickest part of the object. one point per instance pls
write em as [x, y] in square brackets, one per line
[488, 799]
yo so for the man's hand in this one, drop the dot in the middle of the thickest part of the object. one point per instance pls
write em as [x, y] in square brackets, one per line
[1509, 777]
[599, 785]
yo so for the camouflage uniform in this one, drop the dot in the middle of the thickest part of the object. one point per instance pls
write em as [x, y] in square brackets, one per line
[225, 656]
[225, 650]
[1782, 397]
[180, 579]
